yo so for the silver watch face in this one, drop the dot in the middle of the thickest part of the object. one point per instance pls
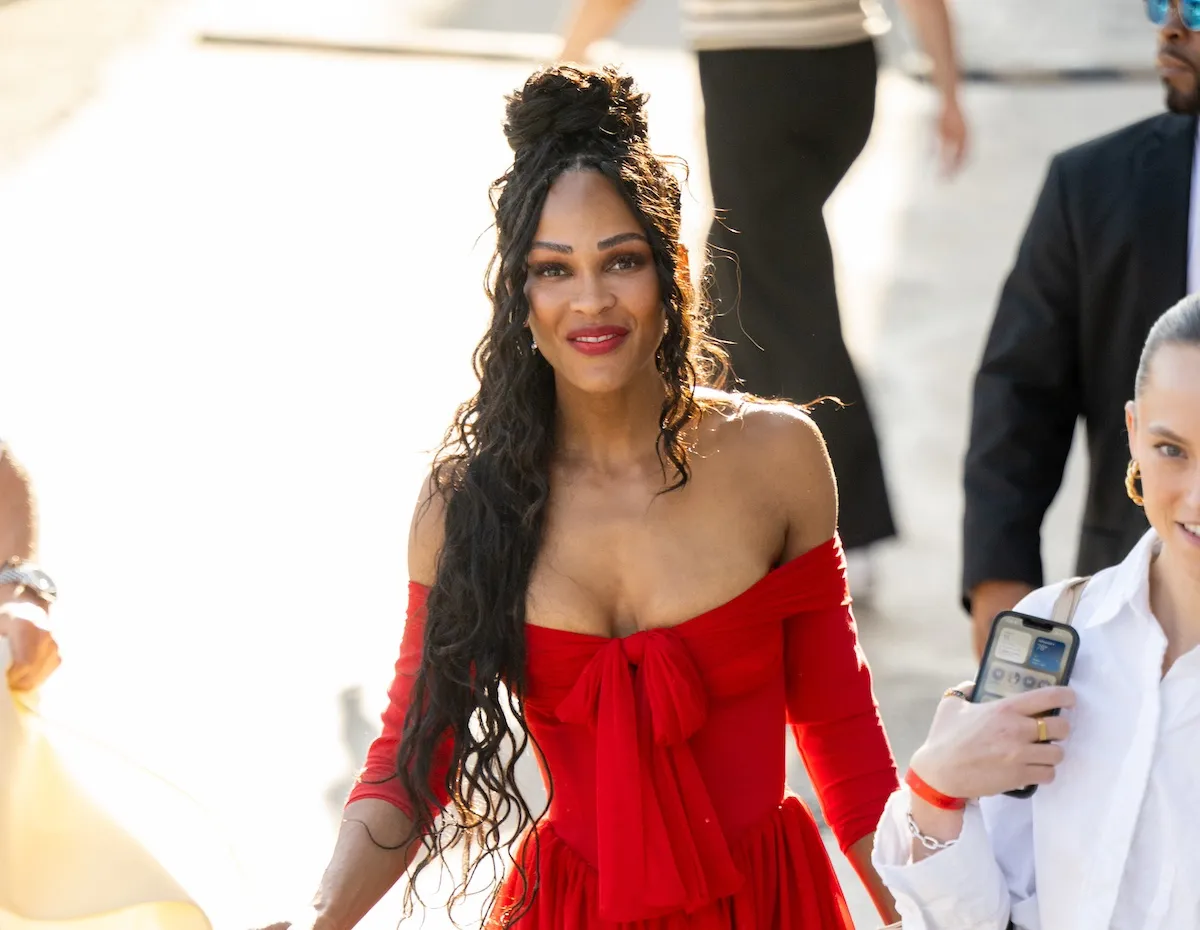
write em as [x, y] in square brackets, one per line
[42, 583]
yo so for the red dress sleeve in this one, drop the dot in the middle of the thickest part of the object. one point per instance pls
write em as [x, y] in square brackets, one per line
[832, 709]
[378, 776]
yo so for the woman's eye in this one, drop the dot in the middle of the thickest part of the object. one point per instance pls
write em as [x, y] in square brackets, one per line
[626, 262]
[549, 270]
[1169, 450]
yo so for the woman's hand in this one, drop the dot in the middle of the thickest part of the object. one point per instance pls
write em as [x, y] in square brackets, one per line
[34, 651]
[952, 135]
[979, 750]
[307, 919]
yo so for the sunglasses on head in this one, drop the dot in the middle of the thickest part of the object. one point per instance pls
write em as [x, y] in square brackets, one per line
[1159, 12]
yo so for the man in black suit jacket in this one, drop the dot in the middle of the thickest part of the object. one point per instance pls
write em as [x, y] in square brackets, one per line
[1105, 254]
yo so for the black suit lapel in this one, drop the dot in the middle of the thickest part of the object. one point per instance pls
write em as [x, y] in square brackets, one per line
[1163, 189]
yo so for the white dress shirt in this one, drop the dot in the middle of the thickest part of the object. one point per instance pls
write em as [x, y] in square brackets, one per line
[1114, 841]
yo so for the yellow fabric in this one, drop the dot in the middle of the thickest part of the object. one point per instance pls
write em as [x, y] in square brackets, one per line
[71, 854]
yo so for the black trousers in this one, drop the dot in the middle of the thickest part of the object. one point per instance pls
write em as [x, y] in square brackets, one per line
[783, 127]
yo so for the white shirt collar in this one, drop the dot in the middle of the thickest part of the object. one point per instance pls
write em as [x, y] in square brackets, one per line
[1128, 584]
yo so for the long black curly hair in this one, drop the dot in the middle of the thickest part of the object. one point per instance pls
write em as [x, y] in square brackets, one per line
[493, 470]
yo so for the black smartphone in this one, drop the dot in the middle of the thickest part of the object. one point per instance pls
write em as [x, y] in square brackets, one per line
[1024, 653]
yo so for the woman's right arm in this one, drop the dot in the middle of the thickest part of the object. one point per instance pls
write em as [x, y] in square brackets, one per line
[375, 844]
[361, 870]
[985, 874]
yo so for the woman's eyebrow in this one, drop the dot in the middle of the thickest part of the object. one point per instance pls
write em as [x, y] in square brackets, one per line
[617, 240]
[552, 246]
[1166, 433]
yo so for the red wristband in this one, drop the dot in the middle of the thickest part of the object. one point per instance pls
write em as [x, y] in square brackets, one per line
[932, 795]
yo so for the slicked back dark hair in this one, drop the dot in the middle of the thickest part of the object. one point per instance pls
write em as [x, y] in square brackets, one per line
[1178, 326]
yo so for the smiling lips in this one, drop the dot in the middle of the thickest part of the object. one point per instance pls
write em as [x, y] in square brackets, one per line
[597, 340]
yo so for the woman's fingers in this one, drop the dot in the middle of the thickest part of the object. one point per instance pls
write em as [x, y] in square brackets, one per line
[961, 691]
[1037, 774]
[1050, 729]
[1041, 701]
[1038, 754]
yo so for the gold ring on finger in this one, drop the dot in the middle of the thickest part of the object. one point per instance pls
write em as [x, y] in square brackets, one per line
[954, 693]
[1043, 730]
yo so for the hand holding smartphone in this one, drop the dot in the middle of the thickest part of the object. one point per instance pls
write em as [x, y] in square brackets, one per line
[1023, 654]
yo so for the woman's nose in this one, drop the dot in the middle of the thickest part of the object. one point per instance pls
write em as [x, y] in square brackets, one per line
[593, 295]
[1193, 492]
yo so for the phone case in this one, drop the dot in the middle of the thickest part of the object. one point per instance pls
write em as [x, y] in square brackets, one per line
[1068, 666]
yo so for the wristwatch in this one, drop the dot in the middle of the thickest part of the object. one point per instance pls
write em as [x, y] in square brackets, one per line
[27, 575]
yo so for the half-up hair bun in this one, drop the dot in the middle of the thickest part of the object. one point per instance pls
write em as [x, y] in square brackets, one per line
[576, 108]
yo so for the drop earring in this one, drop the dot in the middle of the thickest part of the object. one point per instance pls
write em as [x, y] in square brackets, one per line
[1133, 476]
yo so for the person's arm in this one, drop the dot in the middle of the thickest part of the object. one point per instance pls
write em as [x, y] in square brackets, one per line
[986, 874]
[831, 705]
[23, 616]
[1026, 403]
[362, 868]
[835, 721]
[376, 842]
[18, 516]
[591, 21]
[964, 886]
[935, 31]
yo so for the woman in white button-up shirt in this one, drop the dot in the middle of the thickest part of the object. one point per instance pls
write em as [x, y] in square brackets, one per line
[1111, 839]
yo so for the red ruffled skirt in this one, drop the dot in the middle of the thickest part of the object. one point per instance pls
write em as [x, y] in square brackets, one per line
[789, 884]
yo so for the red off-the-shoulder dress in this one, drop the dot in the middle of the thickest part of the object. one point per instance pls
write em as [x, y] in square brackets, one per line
[670, 808]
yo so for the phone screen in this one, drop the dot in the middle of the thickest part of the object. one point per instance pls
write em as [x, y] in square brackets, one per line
[1022, 658]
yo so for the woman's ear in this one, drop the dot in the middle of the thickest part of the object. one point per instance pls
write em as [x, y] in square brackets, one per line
[1131, 426]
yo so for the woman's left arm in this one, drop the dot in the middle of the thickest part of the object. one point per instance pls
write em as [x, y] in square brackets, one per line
[830, 702]
[835, 720]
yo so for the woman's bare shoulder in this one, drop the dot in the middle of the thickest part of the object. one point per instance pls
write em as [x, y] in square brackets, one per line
[756, 427]
[778, 446]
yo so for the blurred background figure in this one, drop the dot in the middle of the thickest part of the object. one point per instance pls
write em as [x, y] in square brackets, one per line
[789, 100]
[66, 859]
[1111, 245]
[26, 592]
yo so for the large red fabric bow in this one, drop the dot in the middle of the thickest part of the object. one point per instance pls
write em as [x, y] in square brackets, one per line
[660, 846]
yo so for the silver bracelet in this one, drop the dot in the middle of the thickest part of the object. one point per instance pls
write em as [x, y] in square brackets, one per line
[933, 845]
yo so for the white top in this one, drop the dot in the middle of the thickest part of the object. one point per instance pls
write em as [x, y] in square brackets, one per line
[1193, 268]
[1114, 841]
[722, 25]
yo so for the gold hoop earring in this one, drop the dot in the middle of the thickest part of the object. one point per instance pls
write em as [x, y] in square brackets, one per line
[1133, 475]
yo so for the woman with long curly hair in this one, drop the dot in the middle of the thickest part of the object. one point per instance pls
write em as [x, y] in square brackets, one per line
[627, 569]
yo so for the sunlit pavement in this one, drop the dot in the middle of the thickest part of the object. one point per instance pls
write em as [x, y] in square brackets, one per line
[247, 286]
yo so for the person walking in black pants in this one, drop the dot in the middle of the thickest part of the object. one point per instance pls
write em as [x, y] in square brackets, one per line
[789, 98]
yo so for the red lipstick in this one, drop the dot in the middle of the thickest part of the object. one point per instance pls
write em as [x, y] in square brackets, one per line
[597, 340]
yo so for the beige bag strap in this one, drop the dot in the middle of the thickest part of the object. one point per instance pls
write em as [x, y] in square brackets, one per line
[1068, 600]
